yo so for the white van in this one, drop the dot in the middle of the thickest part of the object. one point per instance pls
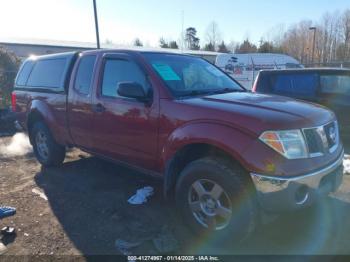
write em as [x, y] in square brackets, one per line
[245, 67]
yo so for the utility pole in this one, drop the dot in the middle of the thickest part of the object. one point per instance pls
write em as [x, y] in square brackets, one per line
[96, 26]
[313, 28]
[182, 31]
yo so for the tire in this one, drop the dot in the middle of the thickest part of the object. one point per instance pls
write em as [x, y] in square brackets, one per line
[222, 199]
[46, 150]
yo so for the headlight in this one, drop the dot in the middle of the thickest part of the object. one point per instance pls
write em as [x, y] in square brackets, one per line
[289, 143]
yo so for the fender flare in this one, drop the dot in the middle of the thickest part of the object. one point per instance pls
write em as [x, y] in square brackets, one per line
[230, 140]
[42, 111]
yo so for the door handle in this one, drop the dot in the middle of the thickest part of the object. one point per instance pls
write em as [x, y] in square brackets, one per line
[98, 108]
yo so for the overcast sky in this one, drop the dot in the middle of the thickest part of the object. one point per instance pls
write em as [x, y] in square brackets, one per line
[123, 20]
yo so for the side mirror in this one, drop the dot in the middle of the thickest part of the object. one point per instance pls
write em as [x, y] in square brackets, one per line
[132, 90]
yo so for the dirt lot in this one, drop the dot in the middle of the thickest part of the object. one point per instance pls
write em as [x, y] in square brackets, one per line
[86, 211]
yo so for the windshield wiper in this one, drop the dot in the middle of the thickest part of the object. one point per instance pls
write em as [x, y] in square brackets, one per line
[226, 90]
[195, 93]
[211, 92]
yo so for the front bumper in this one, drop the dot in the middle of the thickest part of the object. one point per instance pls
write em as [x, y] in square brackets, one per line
[289, 193]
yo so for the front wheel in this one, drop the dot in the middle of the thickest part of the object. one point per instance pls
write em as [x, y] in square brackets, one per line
[46, 150]
[215, 198]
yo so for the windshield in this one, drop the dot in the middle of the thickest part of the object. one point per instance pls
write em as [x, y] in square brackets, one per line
[190, 76]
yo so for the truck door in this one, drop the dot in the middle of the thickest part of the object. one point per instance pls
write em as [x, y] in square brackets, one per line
[79, 102]
[124, 129]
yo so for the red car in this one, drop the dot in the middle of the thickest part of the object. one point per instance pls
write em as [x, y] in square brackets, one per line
[225, 154]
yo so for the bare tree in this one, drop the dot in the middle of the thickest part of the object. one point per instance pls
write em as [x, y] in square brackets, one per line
[332, 39]
[346, 30]
[297, 41]
[275, 35]
[343, 51]
[329, 38]
[232, 46]
[213, 35]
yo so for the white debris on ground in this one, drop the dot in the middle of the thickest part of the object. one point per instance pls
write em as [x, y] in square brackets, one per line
[18, 146]
[141, 196]
[346, 164]
[39, 193]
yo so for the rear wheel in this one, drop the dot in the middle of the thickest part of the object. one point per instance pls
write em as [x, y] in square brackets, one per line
[215, 198]
[46, 150]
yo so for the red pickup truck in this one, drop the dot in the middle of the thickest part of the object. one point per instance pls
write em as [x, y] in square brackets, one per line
[225, 154]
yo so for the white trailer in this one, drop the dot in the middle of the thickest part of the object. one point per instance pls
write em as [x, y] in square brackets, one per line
[245, 67]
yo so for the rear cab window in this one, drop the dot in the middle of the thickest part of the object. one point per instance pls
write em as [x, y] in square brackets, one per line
[84, 74]
[47, 72]
[24, 73]
[290, 84]
[335, 84]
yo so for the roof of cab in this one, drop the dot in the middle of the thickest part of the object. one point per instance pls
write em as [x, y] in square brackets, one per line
[137, 51]
[97, 51]
[51, 56]
[305, 70]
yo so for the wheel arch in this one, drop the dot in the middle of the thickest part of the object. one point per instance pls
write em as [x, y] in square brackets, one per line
[189, 153]
[33, 117]
[39, 111]
[199, 139]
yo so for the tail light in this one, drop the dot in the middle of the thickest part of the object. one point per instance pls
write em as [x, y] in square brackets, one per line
[14, 101]
[254, 86]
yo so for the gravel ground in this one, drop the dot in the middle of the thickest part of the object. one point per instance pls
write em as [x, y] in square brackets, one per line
[81, 208]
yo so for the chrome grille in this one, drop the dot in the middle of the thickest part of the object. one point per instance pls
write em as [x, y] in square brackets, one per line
[313, 141]
[332, 134]
[322, 139]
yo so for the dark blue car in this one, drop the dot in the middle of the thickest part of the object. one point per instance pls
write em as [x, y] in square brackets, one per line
[326, 86]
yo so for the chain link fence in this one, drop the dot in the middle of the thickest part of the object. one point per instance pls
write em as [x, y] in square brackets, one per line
[336, 64]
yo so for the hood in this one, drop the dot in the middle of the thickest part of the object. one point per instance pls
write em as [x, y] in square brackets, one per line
[260, 112]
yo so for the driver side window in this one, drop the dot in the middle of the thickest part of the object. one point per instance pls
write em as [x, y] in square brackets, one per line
[118, 70]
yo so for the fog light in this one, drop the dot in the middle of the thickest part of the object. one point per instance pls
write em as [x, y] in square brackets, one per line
[301, 195]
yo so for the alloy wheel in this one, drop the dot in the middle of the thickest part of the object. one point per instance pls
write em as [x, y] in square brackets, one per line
[210, 204]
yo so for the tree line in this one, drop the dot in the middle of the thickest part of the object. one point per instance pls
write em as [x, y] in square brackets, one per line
[323, 41]
[191, 41]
